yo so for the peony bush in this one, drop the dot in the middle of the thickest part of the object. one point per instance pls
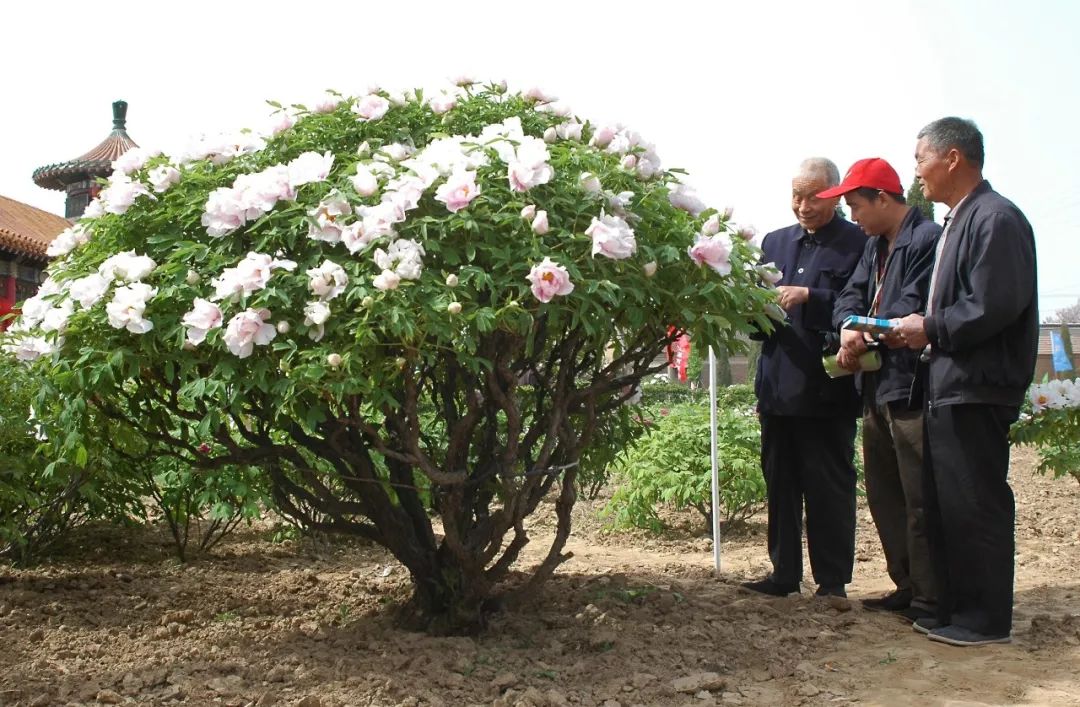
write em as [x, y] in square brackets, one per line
[414, 312]
[1051, 424]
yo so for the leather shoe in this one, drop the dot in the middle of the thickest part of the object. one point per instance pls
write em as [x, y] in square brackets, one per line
[898, 600]
[772, 588]
[831, 590]
[955, 635]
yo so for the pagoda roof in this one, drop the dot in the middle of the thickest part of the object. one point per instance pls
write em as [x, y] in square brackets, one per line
[26, 230]
[95, 163]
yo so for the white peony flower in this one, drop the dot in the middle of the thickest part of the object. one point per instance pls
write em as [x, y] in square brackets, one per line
[127, 267]
[204, 316]
[328, 280]
[684, 197]
[364, 181]
[128, 306]
[89, 290]
[371, 107]
[68, 240]
[386, 280]
[248, 329]
[163, 177]
[121, 193]
[612, 237]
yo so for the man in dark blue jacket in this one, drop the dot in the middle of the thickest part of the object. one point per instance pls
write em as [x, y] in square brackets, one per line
[979, 338]
[890, 282]
[807, 418]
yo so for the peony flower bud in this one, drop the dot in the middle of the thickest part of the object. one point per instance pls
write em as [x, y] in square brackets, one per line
[726, 215]
[540, 223]
[400, 361]
[589, 182]
[454, 308]
[283, 327]
[367, 301]
[650, 268]
[628, 162]
[192, 277]
[333, 360]
[364, 150]
[451, 280]
[747, 233]
[550, 135]
[711, 226]
[529, 212]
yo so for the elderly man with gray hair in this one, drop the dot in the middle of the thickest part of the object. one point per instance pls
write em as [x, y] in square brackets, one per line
[808, 418]
[978, 340]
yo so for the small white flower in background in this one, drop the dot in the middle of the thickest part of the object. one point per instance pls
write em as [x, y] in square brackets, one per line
[649, 268]
[685, 197]
[454, 308]
[538, 95]
[463, 80]
[611, 237]
[371, 107]
[394, 152]
[747, 233]
[451, 280]
[328, 280]
[458, 191]
[68, 240]
[333, 360]
[364, 181]
[204, 316]
[529, 212]
[550, 135]
[386, 280]
[711, 226]
[364, 150]
[326, 103]
[442, 102]
[94, 209]
[31, 348]
[1043, 397]
[121, 193]
[128, 307]
[714, 251]
[770, 274]
[570, 130]
[280, 121]
[549, 279]
[590, 182]
[133, 160]
[628, 162]
[127, 266]
[727, 213]
[529, 166]
[403, 256]
[619, 202]
[247, 330]
[283, 327]
[310, 167]
[163, 176]
[540, 223]
[89, 290]
[603, 136]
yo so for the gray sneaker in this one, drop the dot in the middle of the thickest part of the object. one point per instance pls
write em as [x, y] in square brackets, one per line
[959, 636]
[926, 624]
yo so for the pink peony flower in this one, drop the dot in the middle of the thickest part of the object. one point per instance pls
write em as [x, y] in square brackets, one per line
[204, 316]
[549, 279]
[248, 329]
[540, 223]
[612, 237]
[371, 107]
[714, 251]
[459, 189]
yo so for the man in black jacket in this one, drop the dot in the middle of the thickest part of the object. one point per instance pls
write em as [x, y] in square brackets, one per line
[979, 338]
[890, 281]
[808, 419]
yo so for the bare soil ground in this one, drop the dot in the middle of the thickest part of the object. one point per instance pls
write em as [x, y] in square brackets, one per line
[632, 619]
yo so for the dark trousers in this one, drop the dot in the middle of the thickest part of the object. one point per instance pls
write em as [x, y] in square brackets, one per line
[971, 514]
[893, 465]
[810, 458]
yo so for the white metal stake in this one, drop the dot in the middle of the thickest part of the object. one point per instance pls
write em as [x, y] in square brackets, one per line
[715, 462]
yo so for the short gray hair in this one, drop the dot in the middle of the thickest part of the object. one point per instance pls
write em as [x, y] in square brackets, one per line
[820, 167]
[961, 134]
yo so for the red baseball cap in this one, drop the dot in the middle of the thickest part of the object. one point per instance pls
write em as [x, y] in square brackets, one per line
[872, 173]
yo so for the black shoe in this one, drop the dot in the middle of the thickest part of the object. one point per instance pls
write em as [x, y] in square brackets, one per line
[831, 590]
[925, 625]
[894, 601]
[914, 613]
[959, 636]
[773, 589]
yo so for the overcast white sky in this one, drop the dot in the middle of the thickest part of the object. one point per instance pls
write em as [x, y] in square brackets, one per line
[736, 93]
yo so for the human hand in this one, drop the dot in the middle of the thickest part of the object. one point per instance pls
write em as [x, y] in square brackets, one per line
[854, 342]
[911, 331]
[792, 295]
[847, 360]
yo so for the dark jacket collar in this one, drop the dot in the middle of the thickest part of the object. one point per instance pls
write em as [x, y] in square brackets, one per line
[907, 227]
[964, 206]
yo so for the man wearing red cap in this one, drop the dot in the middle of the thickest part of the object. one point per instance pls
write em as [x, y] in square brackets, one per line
[890, 281]
[979, 338]
[808, 419]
